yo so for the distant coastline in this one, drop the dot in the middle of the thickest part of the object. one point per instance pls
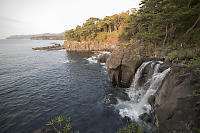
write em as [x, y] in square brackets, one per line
[45, 36]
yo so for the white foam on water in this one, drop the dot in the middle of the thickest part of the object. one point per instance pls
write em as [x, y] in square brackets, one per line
[66, 61]
[92, 59]
[138, 103]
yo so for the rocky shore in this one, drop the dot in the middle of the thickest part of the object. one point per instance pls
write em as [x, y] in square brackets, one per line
[175, 107]
[53, 47]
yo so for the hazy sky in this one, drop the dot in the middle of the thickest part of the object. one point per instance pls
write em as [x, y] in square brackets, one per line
[54, 16]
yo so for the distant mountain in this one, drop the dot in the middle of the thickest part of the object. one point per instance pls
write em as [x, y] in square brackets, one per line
[45, 36]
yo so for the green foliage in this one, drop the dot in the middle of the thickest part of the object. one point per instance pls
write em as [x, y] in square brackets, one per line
[196, 130]
[94, 26]
[196, 92]
[163, 22]
[132, 128]
[182, 54]
[123, 96]
[195, 62]
[60, 124]
[123, 45]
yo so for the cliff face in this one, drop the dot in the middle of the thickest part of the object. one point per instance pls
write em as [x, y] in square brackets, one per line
[87, 46]
[124, 62]
[122, 65]
[176, 108]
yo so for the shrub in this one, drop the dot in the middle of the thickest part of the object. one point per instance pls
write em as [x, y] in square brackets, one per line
[196, 92]
[61, 124]
[182, 54]
[132, 128]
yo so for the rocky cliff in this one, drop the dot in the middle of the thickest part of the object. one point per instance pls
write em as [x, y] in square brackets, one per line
[87, 46]
[123, 63]
[176, 108]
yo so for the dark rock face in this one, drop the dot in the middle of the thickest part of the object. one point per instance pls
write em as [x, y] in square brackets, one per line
[122, 65]
[111, 99]
[127, 119]
[151, 100]
[103, 58]
[176, 108]
[145, 117]
[46, 129]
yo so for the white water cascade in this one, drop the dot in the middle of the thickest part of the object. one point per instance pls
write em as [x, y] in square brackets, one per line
[139, 93]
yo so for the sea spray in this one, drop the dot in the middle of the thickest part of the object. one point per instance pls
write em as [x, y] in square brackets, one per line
[139, 94]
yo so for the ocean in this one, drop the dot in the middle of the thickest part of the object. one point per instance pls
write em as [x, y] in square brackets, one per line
[36, 86]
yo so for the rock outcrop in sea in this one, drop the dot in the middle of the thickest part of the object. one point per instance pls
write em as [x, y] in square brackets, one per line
[53, 47]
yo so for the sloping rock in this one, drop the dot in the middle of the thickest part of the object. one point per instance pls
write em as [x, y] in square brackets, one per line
[176, 108]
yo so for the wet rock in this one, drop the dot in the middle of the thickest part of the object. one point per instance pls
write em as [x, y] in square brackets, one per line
[146, 118]
[112, 99]
[126, 119]
[102, 58]
[175, 107]
[46, 129]
[122, 65]
[124, 96]
[151, 100]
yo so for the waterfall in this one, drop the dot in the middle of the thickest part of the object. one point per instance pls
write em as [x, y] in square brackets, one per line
[139, 73]
[139, 94]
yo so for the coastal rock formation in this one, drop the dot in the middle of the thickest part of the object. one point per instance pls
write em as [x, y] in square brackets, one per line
[176, 107]
[103, 58]
[53, 47]
[87, 46]
[122, 65]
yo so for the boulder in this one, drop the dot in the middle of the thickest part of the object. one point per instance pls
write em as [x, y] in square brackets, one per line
[146, 118]
[126, 119]
[122, 65]
[124, 96]
[176, 108]
[111, 99]
[103, 58]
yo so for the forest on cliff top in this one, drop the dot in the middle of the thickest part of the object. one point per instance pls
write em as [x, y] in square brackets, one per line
[157, 22]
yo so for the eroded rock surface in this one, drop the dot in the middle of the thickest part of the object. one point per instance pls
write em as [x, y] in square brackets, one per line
[122, 65]
[176, 107]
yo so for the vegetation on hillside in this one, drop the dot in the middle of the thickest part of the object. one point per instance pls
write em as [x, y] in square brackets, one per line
[100, 30]
[158, 25]
[165, 22]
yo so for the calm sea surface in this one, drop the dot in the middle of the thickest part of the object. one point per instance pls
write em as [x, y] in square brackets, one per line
[36, 86]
